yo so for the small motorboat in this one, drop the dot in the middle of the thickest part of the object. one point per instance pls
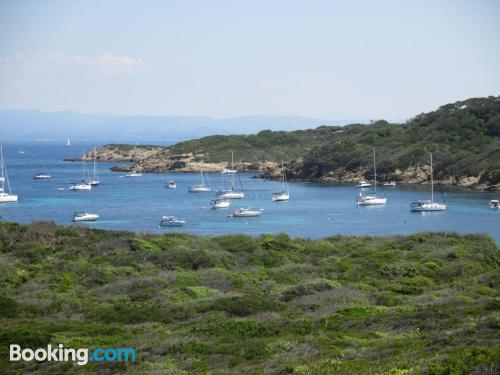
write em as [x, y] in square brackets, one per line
[60, 189]
[247, 212]
[171, 221]
[42, 176]
[84, 186]
[220, 203]
[390, 183]
[495, 204]
[22, 152]
[363, 184]
[133, 174]
[171, 185]
[85, 216]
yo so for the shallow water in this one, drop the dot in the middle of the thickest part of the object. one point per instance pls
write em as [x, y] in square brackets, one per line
[137, 204]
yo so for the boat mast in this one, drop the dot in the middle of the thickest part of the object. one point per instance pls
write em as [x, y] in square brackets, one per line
[375, 171]
[432, 183]
[2, 176]
[283, 175]
[95, 170]
[232, 170]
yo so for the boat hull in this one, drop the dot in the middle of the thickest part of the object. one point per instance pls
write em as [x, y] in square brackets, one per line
[428, 207]
[231, 194]
[220, 204]
[281, 197]
[80, 187]
[199, 189]
[89, 217]
[247, 213]
[8, 198]
[372, 202]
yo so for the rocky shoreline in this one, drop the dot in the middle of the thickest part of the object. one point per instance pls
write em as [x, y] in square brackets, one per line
[158, 159]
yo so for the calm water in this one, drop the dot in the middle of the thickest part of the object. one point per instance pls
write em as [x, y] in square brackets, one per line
[138, 203]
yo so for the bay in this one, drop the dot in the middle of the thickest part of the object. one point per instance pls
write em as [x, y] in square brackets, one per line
[137, 204]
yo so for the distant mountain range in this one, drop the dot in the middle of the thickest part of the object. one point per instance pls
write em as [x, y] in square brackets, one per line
[34, 124]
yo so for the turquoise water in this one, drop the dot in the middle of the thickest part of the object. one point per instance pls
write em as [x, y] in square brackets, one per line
[137, 204]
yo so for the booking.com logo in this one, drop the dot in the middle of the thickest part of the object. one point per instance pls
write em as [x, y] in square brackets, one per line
[80, 356]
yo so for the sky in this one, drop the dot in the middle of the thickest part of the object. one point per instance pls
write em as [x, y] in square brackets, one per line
[324, 59]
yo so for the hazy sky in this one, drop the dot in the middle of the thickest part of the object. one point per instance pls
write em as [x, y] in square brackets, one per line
[326, 59]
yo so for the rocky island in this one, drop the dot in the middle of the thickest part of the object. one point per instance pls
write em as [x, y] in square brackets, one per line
[464, 137]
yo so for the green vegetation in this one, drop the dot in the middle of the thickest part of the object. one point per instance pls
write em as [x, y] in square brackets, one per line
[465, 137]
[423, 304]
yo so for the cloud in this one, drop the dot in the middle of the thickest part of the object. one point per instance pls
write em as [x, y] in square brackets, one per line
[54, 63]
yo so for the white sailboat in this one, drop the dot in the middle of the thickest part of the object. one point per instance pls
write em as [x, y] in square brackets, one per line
[4, 178]
[84, 184]
[249, 211]
[200, 187]
[94, 181]
[134, 173]
[370, 199]
[428, 205]
[219, 203]
[284, 194]
[68, 143]
[232, 193]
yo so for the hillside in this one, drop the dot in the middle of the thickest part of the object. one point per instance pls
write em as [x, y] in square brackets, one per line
[464, 136]
[426, 303]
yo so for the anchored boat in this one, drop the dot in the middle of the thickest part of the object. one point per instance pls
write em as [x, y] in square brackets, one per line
[232, 193]
[284, 194]
[200, 187]
[171, 185]
[85, 216]
[495, 204]
[428, 205]
[4, 178]
[220, 203]
[370, 199]
[171, 221]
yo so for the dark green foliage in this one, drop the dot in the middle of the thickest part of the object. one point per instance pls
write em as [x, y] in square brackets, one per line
[427, 303]
[464, 136]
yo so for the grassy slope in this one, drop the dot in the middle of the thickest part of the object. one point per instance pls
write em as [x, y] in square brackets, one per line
[465, 137]
[427, 303]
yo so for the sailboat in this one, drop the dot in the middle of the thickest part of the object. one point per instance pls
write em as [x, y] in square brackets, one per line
[94, 181]
[5, 197]
[232, 193]
[134, 173]
[220, 203]
[68, 143]
[428, 205]
[84, 183]
[370, 199]
[249, 212]
[284, 194]
[200, 187]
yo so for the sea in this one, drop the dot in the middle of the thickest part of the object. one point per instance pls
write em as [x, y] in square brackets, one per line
[138, 204]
